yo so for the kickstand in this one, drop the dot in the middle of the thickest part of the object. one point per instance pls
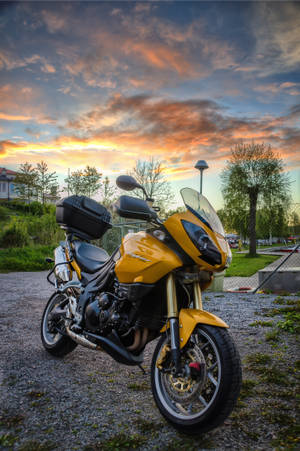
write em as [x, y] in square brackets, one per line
[143, 371]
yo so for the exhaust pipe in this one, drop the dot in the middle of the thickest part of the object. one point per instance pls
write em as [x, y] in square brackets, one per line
[82, 340]
[111, 344]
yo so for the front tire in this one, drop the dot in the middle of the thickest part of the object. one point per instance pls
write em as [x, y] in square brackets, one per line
[197, 404]
[55, 343]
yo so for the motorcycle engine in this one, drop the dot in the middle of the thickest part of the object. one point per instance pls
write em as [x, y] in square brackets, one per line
[107, 312]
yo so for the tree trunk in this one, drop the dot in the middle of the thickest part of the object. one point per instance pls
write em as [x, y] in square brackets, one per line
[252, 223]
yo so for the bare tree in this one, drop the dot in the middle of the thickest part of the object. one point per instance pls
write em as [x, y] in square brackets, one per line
[150, 175]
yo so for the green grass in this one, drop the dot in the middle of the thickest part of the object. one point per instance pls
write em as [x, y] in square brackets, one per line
[119, 441]
[244, 266]
[29, 258]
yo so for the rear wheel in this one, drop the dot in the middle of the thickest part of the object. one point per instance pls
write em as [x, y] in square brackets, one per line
[205, 395]
[54, 342]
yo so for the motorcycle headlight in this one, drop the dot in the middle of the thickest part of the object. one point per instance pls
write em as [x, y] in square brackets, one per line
[200, 239]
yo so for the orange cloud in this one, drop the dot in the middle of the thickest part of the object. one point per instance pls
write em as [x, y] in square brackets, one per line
[9, 117]
[161, 57]
[125, 129]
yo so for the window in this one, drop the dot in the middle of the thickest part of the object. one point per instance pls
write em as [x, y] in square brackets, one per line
[3, 187]
[12, 188]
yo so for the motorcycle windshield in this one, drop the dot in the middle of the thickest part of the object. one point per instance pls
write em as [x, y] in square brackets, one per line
[199, 206]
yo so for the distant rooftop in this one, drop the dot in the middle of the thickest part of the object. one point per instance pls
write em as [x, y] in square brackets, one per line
[7, 171]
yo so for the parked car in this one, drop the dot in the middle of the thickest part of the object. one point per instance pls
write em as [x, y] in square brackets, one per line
[233, 244]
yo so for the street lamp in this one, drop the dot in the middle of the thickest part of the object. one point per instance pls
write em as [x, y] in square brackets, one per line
[201, 165]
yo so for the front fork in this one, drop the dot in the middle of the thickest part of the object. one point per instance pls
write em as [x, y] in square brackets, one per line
[173, 317]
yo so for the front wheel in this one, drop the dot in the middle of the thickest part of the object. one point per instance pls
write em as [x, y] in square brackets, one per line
[203, 397]
[54, 342]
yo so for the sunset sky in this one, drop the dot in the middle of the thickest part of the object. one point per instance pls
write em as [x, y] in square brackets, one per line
[107, 83]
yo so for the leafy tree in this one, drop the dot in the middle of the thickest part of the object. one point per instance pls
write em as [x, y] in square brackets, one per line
[92, 180]
[253, 174]
[75, 183]
[272, 218]
[25, 182]
[150, 175]
[86, 182]
[236, 218]
[294, 221]
[45, 181]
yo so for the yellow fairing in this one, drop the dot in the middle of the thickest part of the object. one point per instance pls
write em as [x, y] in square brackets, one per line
[189, 318]
[144, 259]
[175, 228]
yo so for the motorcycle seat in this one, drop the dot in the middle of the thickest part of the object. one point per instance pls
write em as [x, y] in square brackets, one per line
[90, 258]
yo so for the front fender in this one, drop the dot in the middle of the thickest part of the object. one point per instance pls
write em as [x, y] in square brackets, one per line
[189, 318]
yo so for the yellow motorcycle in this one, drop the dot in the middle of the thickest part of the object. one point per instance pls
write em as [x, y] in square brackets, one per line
[149, 288]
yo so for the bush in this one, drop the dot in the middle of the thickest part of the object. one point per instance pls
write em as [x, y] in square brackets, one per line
[50, 208]
[16, 205]
[4, 213]
[15, 234]
[44, 229]
[35, 208]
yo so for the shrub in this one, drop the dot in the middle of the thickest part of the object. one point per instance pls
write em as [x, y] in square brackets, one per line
[36, 208]
[15, 234]
[50, 208]
[16, 205]
[44, 229]
[4, 213]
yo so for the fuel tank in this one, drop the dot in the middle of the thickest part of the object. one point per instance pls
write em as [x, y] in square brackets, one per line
[144, 259]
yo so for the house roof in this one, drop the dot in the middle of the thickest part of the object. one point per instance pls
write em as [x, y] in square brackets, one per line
[8, 171]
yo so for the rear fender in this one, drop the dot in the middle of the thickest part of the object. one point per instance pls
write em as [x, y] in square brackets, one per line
[189, 318]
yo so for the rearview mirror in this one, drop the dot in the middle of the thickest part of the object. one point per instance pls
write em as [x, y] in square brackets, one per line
[127, 183]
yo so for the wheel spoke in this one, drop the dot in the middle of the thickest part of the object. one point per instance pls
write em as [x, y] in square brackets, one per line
[212, 367]
[203, 401]
[212, 379]
[204, 345]
[181, 409]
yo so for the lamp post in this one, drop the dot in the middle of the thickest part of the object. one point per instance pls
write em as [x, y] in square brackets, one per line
[201, 165]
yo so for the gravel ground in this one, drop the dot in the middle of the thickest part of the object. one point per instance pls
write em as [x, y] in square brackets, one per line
[89, 402]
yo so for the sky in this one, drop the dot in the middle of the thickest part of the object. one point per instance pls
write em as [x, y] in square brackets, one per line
[108, 83]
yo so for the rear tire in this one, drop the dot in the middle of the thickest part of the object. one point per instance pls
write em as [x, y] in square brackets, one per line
[197, 405]
[55, 343]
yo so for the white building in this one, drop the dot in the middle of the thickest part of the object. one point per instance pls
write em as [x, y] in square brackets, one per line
[7, 187]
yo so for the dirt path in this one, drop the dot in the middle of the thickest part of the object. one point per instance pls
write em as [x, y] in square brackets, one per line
[88, 402]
